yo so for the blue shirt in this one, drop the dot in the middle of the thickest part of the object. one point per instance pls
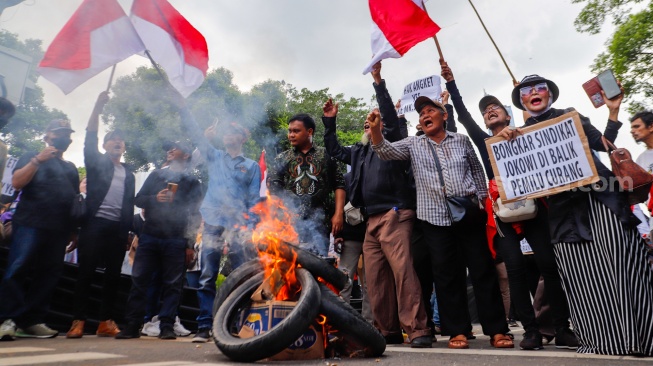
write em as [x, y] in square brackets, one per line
[234, 183]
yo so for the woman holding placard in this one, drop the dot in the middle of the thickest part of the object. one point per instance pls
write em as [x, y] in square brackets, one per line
[600, 255]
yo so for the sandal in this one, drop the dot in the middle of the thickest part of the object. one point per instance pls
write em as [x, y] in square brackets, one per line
[501, 341]
[458, 342]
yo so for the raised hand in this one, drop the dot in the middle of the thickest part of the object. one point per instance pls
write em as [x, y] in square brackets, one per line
[446, 72]
[330, 109]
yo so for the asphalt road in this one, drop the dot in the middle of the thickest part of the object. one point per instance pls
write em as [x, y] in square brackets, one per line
[147, 351]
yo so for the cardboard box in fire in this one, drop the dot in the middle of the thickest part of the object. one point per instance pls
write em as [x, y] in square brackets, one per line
[264, 315]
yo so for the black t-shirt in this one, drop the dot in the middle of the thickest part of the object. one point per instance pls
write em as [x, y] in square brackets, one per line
[47, 199]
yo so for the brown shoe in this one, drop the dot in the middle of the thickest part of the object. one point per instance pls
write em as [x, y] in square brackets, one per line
[107, 328]
[76, 330]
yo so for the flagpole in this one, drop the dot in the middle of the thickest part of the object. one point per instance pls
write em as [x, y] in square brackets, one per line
[435, 38]
[113, 70]
[155, 65]
[514, 81]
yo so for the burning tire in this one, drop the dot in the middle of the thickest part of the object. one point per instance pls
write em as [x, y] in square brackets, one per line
[274, 340]
[236, 278]
[353, 327]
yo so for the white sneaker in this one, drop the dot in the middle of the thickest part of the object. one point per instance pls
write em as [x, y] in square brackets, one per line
[8, 330]
[151, 328]
[179, 329]
[36, 331]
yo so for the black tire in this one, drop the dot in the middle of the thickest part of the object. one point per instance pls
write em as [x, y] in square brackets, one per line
[316, 265]
[236, 278]
[354, 328]
[274, 340]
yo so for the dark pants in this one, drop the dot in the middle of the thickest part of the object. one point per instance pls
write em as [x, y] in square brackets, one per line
[452, 248]
[99, 245]
[35, 255]
[537, 234]
[168, 257]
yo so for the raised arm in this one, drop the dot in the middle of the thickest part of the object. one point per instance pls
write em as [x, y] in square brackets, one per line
[384, 149]
[91, 152]
[391, 128]
[189, 123]
[331, 143]
[451, 118]
[613, 126]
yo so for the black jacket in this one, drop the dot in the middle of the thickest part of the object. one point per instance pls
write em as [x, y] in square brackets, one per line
[99, 173]
[569, 211]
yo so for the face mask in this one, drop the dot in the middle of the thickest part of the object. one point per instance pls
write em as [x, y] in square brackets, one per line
[61, 143]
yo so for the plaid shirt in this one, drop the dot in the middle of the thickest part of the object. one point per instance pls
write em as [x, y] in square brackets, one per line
[461, 169]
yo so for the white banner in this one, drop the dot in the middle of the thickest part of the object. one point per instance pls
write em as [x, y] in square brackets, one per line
[428, 86]
[7, 188]
[550, 157]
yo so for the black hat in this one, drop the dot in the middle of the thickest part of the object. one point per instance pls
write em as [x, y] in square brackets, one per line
[423, 101]
[182, 146]
[113, 135]
[487, 100]
[532, 80]
[58, 125]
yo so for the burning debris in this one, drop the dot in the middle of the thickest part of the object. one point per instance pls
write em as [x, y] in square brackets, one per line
[267, 307]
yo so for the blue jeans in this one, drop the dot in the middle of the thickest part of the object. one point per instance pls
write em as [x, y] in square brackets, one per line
[434, 305]
[213, 240]
[167, 256]
[35, 254]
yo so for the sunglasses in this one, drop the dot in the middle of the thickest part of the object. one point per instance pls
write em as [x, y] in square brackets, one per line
[540, 88]
[490, 109]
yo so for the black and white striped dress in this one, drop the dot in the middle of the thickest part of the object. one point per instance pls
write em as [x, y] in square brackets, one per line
[609, 285]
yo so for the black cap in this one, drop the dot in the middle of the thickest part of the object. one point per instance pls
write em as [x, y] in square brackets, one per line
[182, 146]
[487, 100]
[423, 101]
[113, 135]
[532, 80]
[58, 125]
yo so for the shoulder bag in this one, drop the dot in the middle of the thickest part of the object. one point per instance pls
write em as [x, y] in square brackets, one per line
[457, 206]
[353, 215]
[515, 211]
[632, 178]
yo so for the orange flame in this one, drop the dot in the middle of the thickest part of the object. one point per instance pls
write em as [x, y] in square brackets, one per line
[274, 229]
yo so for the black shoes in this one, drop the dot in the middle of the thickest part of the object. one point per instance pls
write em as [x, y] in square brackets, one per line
[532, 340]
[422, 342]
[565, 338]
[132, 330]
[394, 338]
[167, 333]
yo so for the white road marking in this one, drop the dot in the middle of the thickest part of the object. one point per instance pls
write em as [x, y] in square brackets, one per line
[24, 349]
[52, 358]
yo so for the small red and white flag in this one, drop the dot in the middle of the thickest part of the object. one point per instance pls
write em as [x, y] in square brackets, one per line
[263, 192]
[397, 26]
[97, 36]
[173, 43]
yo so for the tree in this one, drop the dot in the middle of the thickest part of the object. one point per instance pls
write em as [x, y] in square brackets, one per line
[26, 129]
[629, 51]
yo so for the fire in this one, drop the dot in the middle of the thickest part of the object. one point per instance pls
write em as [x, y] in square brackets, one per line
[270, 235]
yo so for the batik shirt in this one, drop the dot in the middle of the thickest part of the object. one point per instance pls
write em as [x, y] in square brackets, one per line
[306, 179]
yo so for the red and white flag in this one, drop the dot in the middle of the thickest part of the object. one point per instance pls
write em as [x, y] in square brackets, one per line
[173, 43]
[98, 35]
[263, 192]
[397, 26]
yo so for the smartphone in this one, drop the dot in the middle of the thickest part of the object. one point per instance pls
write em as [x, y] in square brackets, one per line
[609, 84]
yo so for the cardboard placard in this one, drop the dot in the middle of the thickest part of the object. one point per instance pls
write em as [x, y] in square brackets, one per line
[549, 157]
[428, 86]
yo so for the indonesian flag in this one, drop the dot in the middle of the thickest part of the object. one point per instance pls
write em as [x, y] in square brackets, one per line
[173, 43]
[397, 26]
[97, 36]
[263, 192]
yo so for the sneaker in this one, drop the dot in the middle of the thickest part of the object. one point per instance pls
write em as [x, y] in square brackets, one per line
[203, 335]
[36, 331]
[107, 328]
[179, 329]
[532, 340]
[394, 338]
[7, 330]
[422, 342]
[437, 329]
[133, 330]
[76, 330]
[151, 328]
[565, 338]
[167, 333]
[512, 323]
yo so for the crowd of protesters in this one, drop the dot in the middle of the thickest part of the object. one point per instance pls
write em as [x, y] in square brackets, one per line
[390, 208]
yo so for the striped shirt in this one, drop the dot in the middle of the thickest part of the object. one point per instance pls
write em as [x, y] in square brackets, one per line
[461, 169]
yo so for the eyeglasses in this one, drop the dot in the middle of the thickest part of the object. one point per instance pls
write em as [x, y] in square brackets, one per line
[540, 88]
[491, 108]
